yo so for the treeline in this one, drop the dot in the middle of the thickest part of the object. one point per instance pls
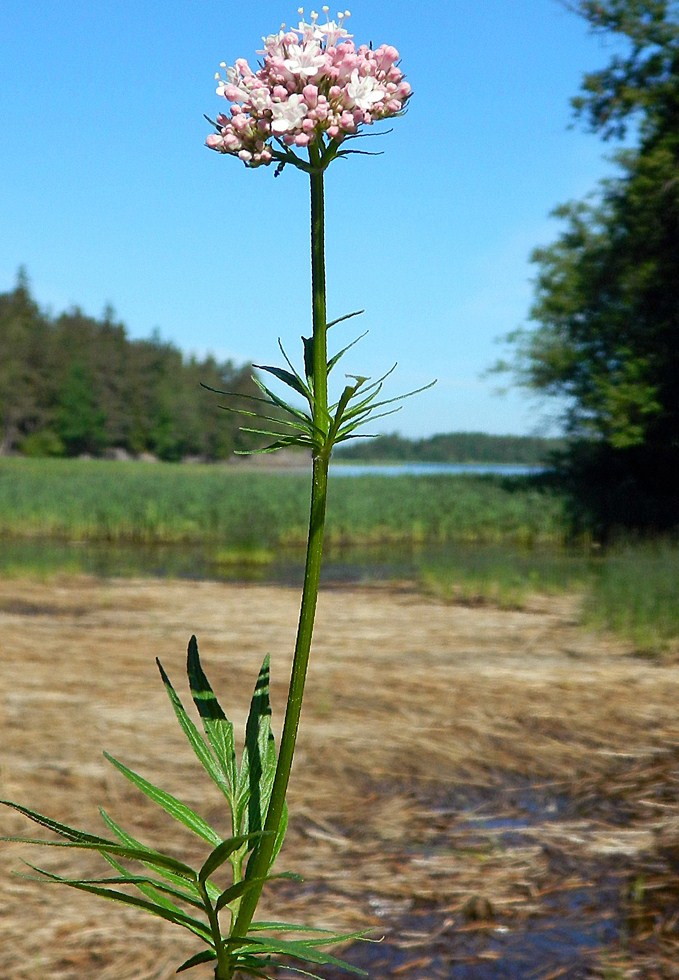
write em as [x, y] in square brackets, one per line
[72, 384]
[453, 447]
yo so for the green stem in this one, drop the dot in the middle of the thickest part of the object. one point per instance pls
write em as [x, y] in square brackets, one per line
[258, 866]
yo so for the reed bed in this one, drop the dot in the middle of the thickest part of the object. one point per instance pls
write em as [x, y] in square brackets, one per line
[91, 500]
[636, 595]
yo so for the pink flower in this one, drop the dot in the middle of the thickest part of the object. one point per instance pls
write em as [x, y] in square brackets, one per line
[313, 87]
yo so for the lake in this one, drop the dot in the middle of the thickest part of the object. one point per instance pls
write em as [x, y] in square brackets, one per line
[340, 468]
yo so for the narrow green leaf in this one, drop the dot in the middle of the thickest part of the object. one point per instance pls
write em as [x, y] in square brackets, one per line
[139, 881]
[169, 803]
[287, 377]
[258, 763]
[280, 834]
[205, 956]
[222, 853]
[274, 398]
[274, 447]
[156, 891]
[179, 918]
[196, 741]
[235, 891]
[286, 927]
[218, 728]
[347, 394]
[70, 833]
[152, 858]
[308, 952]
[290, 439]
[179, 881]
[335, 358]
[347, 316]
[307, 390]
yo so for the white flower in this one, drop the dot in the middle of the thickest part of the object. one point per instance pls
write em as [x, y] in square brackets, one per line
[364, 92]
[288, 115]
[304, 59]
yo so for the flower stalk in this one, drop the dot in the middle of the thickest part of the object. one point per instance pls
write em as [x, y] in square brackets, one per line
[261, 859]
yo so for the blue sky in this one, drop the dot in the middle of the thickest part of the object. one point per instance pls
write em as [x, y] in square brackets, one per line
[108, 194]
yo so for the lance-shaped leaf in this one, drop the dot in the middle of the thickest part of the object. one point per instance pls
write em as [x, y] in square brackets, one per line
[205, 956]
[346, 316]
[287, 377]
[180, 811]
[212, 766]
[258, 763]
[178, 881]
[222, 853]
[276, 400]
[80, 839]
[235, 891]
[179, 918]
[153, 889]
[335, 358]
[308, 951]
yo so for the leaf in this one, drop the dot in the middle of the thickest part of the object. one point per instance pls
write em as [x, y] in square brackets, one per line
[169, 803]
[335, 358]
[153, 858]
[307, 390]
[287, 377]
[179, 918]
[307, 951]
[205, 757]
[205, 956]
[347, 316]
[235, 891]
[221, 854]
[153, 889]
[280, 834]
[180, 881]
[258, 763]
[274, 399]
[218, 728]
[59, 828]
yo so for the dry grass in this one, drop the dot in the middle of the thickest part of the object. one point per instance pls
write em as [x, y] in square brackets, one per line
[420, 716]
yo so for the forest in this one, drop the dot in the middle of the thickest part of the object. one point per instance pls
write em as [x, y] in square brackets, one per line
[453, 447]
[75, 385]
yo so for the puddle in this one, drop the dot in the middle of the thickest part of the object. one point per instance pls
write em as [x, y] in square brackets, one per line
[576, 905]
[562, 942]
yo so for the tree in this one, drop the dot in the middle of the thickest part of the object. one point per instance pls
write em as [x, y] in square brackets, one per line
[607, 291]
[22, 364]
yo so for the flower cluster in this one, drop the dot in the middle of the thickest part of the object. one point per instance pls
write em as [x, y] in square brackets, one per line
[314, 86]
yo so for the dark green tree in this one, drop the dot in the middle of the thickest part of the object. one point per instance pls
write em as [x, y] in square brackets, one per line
[75, 384]
[607, 290]
[23, 367]
[79, 419]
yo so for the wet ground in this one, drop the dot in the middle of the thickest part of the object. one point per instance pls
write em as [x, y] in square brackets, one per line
[495, 792]
[583, 913]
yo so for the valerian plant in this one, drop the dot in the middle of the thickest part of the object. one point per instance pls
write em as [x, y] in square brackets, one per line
[313, 93]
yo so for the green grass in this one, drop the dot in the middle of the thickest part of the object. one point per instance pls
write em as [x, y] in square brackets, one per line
[636, 595]
[92, 500]
[506, 576]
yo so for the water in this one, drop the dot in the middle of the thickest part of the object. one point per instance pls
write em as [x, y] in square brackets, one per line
[434, 469]
[580, 911]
